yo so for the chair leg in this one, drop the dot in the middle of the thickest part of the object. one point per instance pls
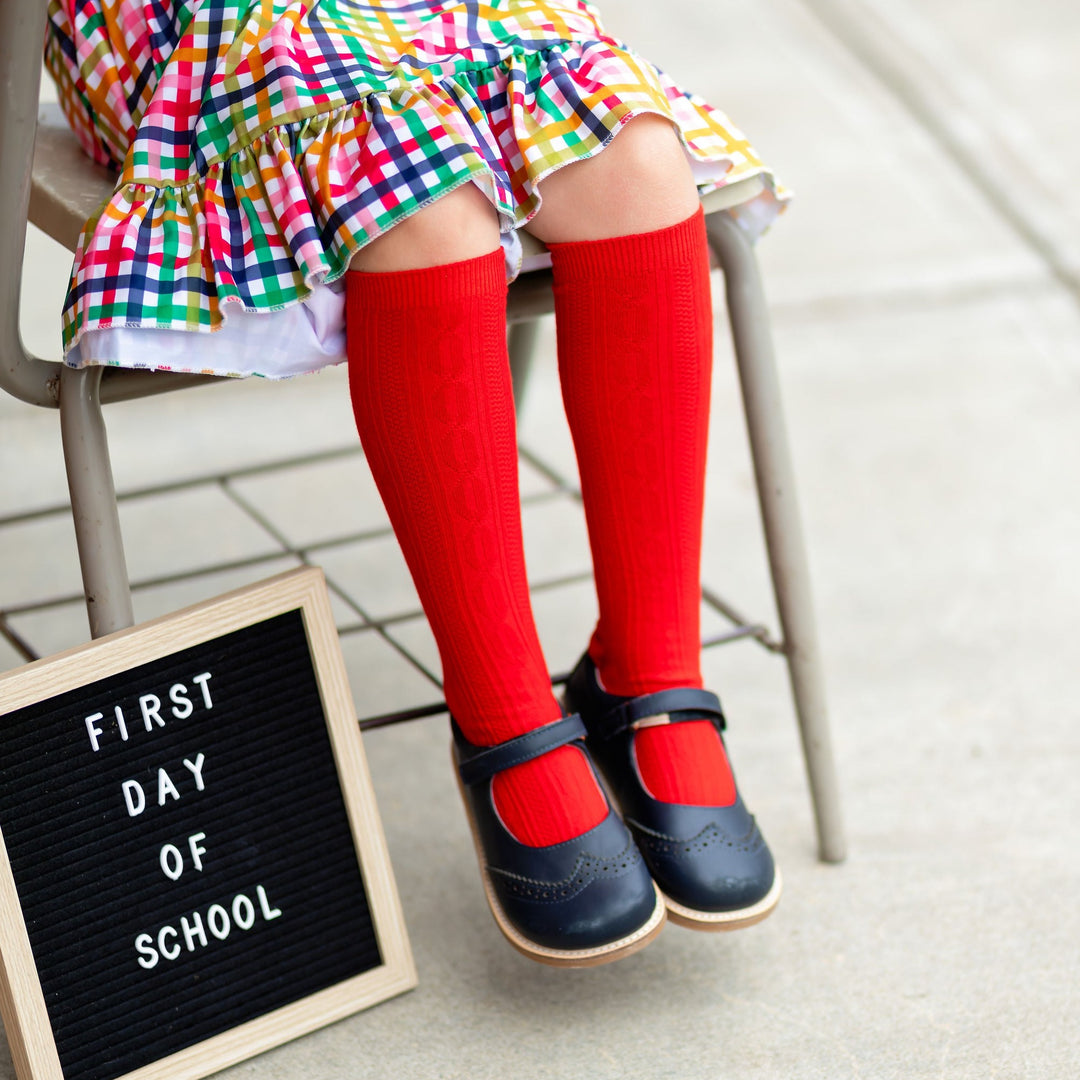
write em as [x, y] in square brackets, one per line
[749, 318]
[521, 343]
[93, 502]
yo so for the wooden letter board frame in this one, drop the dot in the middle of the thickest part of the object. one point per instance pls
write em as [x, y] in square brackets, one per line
[34, 1045]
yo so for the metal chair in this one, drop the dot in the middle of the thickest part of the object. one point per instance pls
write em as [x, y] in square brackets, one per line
[48, 178]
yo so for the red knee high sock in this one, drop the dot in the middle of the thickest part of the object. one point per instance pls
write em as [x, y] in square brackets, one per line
[634, 326]
[430, 386]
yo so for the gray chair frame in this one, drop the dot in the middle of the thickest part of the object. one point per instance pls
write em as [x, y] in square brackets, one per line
[53, 185]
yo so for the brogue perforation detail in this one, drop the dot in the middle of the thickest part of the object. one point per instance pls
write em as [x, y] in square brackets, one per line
[711, 836]
[587, 869]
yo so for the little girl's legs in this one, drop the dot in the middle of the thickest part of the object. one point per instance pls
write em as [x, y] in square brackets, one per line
[634, 326]
[430, 383]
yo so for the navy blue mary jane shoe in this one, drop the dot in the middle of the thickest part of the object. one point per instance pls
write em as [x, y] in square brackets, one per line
[711, 862]
[583, 902]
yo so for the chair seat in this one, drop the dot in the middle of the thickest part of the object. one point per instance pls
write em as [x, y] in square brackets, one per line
[66, 187]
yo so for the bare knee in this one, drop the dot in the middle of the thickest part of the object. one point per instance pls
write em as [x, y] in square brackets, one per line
[460, 225]
[640, 182]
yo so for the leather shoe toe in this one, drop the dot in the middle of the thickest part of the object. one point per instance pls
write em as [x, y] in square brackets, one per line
[711, 862]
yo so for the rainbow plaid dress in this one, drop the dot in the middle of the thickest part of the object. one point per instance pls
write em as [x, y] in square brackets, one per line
[260, 143]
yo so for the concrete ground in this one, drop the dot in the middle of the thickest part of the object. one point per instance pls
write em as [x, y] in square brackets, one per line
[926, 304]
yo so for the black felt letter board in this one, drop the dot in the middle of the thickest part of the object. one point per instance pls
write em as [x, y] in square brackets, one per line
[195, 875]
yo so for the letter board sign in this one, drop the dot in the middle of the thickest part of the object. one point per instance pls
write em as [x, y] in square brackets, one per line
[192, 868]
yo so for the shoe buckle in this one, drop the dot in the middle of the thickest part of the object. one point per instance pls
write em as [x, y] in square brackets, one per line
[659, 720]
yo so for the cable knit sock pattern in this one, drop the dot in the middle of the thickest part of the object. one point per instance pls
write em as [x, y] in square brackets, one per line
[634, 327]
[430, 385]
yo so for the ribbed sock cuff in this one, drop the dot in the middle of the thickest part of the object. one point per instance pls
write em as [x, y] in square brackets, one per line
[429, 285]
[581, 260]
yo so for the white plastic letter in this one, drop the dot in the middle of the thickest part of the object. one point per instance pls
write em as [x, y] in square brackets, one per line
[144, 943]
[193, 930]
[196, 771]
[182, 707]
[150, 707]
[202, 680]
[93, 730]
[218, 919]
[243, 912]
[134, 797]
[268, 912]
[165, 786]
[169, 954]
[197, 852]
[121, 723]
[172, 862]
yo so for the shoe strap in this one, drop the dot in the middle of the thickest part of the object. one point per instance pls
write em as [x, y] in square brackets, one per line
[683, 699]
[489, 760]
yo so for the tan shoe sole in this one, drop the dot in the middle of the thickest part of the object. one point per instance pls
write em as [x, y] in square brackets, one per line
[726, 920]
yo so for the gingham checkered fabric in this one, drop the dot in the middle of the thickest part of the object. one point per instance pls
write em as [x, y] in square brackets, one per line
[260, 142]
